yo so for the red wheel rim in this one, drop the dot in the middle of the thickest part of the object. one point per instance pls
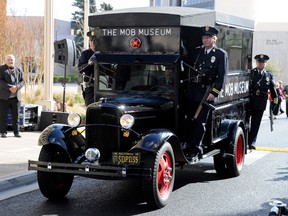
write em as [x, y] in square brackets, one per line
[164, 174]
[239, 151]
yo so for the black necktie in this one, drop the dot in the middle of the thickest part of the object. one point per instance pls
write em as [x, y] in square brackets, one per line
[205, 52]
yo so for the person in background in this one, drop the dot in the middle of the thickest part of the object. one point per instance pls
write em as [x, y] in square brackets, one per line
[211, 61]
[261, 82]
[11, 81]
[276, 108]
[285, 92]
[86, 67]
[281, 89]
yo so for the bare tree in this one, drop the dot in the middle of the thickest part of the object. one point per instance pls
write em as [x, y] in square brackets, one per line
[25, 39]
[3, 5]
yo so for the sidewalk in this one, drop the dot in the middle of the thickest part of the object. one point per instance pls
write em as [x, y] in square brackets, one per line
[14, 155]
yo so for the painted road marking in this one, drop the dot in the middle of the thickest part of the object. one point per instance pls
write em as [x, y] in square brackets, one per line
[260, 152]
[272, 149]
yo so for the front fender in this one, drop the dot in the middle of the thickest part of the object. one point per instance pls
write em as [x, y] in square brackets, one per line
[154, 139]
[55, 135]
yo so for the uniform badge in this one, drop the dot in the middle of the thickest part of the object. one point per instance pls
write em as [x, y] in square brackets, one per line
[213, 59]
[267, 81]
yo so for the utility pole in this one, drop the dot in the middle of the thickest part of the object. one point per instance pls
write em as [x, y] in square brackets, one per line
[48, 55]
[85, 24]
[3, 6]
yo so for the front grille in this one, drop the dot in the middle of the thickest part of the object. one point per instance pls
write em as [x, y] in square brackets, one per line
[105, 135]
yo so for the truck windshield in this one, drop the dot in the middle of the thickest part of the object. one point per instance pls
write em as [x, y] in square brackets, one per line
[136, 77]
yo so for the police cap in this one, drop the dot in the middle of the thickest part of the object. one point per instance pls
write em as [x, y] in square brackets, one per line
[209, 30]
[261, 58]
[91, 34]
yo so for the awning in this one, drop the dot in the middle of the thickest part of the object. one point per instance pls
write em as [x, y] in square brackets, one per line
[140, 59]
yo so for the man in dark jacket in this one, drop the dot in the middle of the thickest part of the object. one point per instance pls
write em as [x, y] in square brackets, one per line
[11, 81]
[86, 66]
[210, 67]
[261, 82]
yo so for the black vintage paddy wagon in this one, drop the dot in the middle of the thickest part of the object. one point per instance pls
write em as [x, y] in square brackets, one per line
[136, 126]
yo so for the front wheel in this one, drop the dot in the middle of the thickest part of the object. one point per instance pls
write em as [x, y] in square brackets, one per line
[54, 185]
[159, 187]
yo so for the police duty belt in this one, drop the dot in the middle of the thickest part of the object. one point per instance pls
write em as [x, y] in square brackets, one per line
[198, 78]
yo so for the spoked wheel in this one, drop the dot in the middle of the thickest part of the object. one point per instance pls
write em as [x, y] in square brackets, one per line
[54, 185]
[159, 187]
[235, 164]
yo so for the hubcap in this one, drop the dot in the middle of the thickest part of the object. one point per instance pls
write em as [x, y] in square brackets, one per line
[239, 153]
[164, 174]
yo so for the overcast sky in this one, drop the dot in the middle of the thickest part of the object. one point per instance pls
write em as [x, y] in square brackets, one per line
[272, 10]
[266, 11]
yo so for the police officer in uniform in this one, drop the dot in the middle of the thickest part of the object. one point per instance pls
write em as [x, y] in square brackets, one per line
[261, 82]
[86, 67]
[210, 65]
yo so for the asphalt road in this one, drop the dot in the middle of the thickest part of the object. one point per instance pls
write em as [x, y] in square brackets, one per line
[198, 191]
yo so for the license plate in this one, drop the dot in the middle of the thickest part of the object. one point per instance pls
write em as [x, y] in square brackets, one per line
[126, 158]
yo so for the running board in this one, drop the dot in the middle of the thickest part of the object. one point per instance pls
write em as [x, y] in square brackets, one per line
[208, 154]
[211, 153]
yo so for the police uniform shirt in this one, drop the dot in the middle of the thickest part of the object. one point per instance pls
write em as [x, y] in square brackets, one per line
[214, 66]
[261, 82]
[83, 61]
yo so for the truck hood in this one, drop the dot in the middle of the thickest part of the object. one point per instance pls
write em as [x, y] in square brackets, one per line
[140, 102]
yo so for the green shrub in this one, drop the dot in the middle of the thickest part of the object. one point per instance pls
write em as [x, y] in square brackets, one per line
[73, 78]
[56, 78]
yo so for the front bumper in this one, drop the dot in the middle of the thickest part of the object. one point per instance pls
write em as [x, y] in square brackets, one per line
[90, 170]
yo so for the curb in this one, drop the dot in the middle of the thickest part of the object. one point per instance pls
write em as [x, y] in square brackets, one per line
[17, 181]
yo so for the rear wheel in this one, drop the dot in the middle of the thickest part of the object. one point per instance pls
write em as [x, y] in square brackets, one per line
[159, 187]
[54, 185]
[232, 164]
[235, 164]
[220, 165]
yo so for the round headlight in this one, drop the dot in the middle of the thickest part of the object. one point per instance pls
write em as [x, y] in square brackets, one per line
[92, 154]
[127, 121]
[74, 119]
